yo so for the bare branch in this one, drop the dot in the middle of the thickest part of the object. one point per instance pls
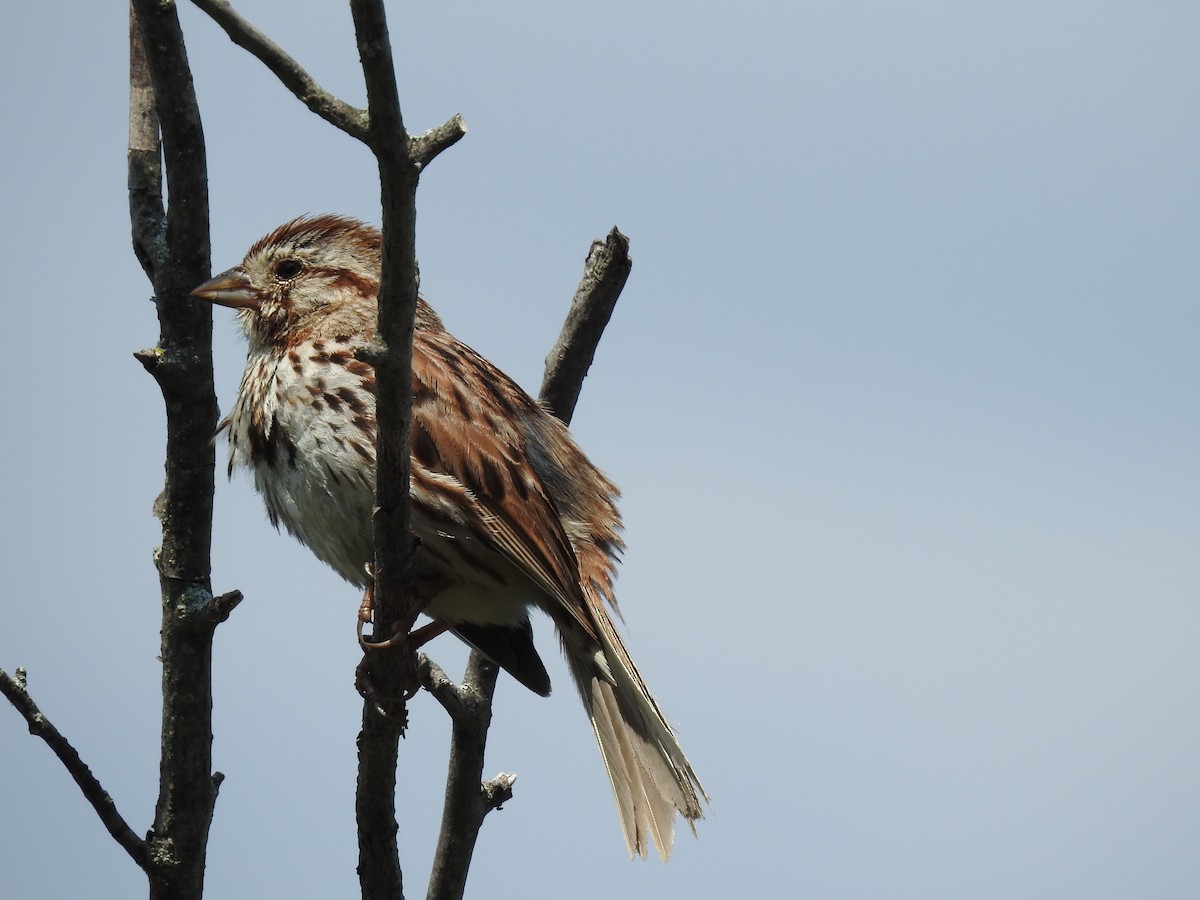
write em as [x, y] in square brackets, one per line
[174, 248]
[391, 350]
[470, 707]
[604, 275]
[388, 137]
[18, 695]
[379, 872]
[467, 800]
[392, 671]
[337, 112]
[435, 140]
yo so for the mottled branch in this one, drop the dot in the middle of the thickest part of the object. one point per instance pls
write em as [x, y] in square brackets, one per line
[290, 73]
[147, 215]
[16, 691]
[604, 275]
[498, 791]
[173, 246]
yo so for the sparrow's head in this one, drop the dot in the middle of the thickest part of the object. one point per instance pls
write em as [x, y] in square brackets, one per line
[312, 277]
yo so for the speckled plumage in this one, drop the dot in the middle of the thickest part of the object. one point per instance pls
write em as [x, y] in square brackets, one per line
[509, 511]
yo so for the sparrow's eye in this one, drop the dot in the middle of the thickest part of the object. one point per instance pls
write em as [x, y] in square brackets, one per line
[287, 269]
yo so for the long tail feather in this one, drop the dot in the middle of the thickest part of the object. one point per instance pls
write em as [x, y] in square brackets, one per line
[651, 777]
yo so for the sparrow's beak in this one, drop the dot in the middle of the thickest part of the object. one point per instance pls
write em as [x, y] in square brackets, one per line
[230, 288]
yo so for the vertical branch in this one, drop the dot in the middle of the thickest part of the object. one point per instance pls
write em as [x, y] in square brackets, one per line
[173, 247]
[379, 870]
[391, 351]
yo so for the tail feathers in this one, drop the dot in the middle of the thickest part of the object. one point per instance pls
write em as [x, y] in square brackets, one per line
[650, 775]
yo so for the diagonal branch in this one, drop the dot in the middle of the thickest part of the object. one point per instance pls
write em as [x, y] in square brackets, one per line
[470, 706]
[468, 800]
[15, 689]
[18, 695]
[604, 275]
[353, 121]
[291, 74]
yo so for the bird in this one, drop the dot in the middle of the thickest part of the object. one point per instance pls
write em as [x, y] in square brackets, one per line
[508, 513]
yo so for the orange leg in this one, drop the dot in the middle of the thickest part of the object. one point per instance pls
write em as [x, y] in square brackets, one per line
[423, 592]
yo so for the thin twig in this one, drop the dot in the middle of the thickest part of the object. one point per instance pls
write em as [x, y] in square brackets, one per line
[290, 73]
[345, 116]
[39, 726]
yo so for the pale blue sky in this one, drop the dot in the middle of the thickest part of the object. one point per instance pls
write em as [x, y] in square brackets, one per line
[901, 393]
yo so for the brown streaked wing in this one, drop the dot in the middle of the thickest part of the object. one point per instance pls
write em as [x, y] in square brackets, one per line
[469, 434]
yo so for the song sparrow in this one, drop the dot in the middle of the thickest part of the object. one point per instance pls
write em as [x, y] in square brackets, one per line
[508, 511]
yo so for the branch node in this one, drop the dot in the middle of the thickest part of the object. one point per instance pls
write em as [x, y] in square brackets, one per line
[435, 680]
[497, 791]
[150, 358]
[425, 147]
[223, 606]
[374, 352]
